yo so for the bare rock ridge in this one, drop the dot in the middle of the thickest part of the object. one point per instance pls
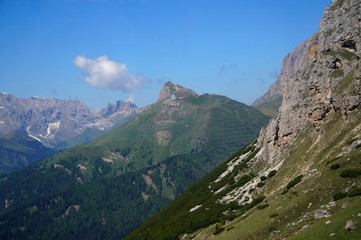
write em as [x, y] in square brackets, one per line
[173, 91]
[53, 122]
[120, 112]
[325, 77]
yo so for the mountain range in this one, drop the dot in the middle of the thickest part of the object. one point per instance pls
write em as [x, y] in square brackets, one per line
[106, 188]
[301, 178]
[34, 128]
[205, 166]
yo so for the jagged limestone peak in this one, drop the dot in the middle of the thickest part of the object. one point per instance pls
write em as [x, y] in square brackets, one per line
[174, 91]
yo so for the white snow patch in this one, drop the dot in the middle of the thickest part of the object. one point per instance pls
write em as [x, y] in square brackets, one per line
[99, 126]
[195, 208]
[1, 107]
[1, 122]
[52, 130]
[32, 136]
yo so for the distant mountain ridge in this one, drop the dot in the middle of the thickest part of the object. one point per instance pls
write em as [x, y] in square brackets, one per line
[56, 124]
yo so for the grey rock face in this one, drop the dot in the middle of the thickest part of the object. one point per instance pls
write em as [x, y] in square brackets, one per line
[172, 91]
[350, 225]
[120, 112]
[324, 78]
[52, 121]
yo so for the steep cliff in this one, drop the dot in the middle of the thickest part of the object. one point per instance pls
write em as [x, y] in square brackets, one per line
[271, 101]
[326, 80]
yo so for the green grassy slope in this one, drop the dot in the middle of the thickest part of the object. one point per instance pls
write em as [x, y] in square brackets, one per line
[281, 207]
[198, 123]
[311, 192]
[107, 188]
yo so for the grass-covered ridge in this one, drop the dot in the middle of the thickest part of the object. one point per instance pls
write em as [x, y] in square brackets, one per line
[107, 188]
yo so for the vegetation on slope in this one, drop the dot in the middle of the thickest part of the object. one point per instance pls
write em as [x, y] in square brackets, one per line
[17, 150]
[107, 188]
[306, 210]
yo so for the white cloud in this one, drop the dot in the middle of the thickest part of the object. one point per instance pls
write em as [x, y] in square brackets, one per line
[107, 74]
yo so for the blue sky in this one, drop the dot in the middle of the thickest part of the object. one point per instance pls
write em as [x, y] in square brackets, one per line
[100, 51]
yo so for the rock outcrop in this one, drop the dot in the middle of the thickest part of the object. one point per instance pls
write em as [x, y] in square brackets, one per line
[173, 91]
[325, 77]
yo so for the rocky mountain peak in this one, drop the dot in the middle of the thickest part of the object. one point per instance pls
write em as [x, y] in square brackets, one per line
[120, 112]
[119, 106]
[173, 91]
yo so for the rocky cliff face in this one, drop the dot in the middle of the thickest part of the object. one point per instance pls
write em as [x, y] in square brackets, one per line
[324, 78]
[271, 100]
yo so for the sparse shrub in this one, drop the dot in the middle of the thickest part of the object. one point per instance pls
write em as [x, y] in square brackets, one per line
[273, 215]
[218, 229]
[243, 180]
[272, 173]
[354, 192]
[272, 229]
[229, 229]
[350, 173]
[295, 193]
[335, 166]
[231, 217]
[295, 181]
[263, 206]
[254, 202]
[339, 196]
[263, 178]
[284, 191]
[231, 181]
[261, 184]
